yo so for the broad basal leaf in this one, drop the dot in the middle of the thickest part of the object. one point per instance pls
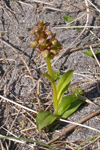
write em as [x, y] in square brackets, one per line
[66, 102]
[74, 106]
[49, 77]
[44, 118]
[63, 84]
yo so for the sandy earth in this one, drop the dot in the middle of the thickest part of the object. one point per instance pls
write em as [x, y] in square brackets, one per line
[21, 66]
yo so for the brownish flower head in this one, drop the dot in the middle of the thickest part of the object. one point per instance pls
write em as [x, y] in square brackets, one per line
[45, 40]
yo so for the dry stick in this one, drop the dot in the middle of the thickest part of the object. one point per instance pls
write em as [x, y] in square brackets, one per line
[97, 63]
[95, 35]
[81, 125]
[94, 6]
[69, 129]
[25, 3]
[94, 56]
[46, 7]
[19, 105]
[90, 143]
[71, 27]
[53, 8]
[20, 57]
[83, 98]
[46, 3]
[82, 47]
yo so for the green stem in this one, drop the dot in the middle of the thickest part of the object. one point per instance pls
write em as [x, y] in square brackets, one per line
[53, 86]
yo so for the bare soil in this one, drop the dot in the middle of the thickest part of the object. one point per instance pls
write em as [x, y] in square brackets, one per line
[21, 68]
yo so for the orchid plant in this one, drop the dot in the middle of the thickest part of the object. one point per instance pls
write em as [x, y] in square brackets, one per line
[45, 42]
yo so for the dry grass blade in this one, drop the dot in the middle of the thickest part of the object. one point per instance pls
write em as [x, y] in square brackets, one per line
[78, 124]
[71, 27]
[93, 5]
[90, 143]
[46, 3]
[94, 55]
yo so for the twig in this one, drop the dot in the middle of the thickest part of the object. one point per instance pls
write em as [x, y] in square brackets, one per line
[95, 35]
[24, 107]
[72, 127]
[85, 99]
[94, 56]
[93, 5]
[25, 3]
[78, 124]
[82, 47]
[71, 27]
[46, 3]
[53, 8]
[9, 132]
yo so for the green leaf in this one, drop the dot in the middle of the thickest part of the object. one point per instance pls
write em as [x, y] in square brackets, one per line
[89, 53]
[97, 51]
[44, 118]
[77, 91]
[56, 75]
[25, 139]
[67, 18]
[63, 84]
[66, 103]
[49, 77]
[74, 106]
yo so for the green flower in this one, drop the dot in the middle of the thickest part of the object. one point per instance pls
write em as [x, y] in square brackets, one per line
[33, 43]
[45, 53]
[42, 42]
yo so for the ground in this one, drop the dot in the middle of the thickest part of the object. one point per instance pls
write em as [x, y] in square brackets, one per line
[21, 68]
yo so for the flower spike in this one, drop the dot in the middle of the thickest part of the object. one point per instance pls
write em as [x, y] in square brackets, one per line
[45, 40]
